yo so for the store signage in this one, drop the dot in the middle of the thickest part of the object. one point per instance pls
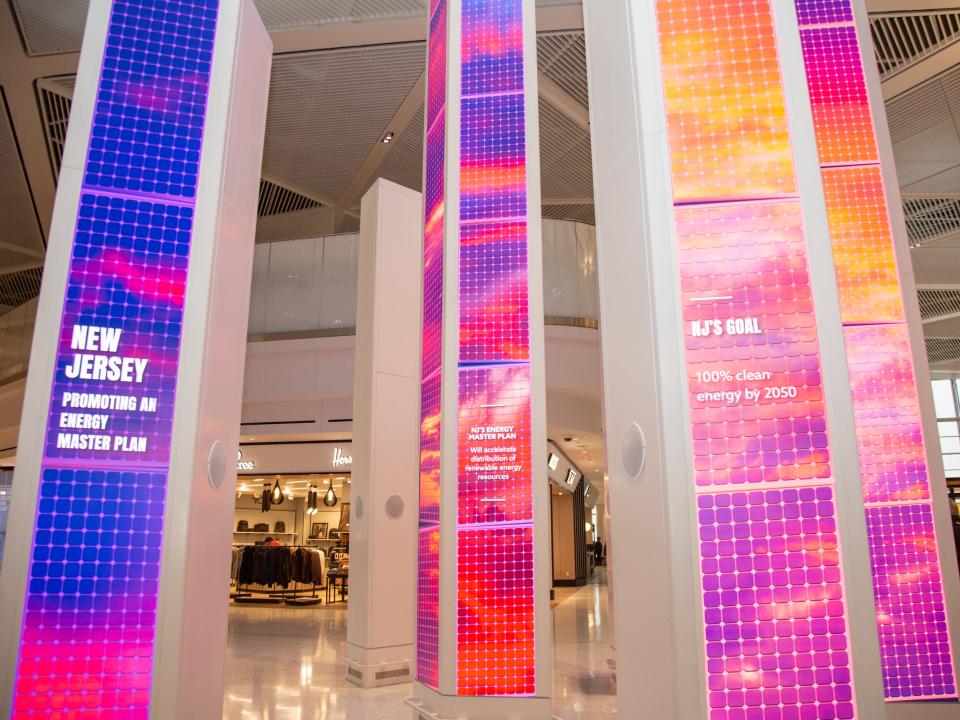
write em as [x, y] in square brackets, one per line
[244, 465]
[572, 477]
[553, 460]
[340, 459]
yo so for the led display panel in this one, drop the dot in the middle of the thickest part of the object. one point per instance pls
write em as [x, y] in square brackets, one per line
[914, 635]
[428, 571]
[774, 612]
[495, 537]
[90, 611]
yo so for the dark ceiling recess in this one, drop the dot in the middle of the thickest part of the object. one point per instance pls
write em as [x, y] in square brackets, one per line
[901, 39]
[277, 200]
[939, 303]
[17, 288]
[931, 218]
[943, 349]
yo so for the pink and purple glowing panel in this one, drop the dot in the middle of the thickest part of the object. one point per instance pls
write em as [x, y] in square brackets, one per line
[914, 635]
[87, 638]
[428, 573]
[777, 642]
[495, 586]
[773, 605]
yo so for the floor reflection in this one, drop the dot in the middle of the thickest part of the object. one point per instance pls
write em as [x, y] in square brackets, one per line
[286, 664]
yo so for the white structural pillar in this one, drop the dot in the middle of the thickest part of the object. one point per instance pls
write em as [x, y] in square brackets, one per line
[741, 555]
[112, 601]
[484, 639]
[386, 403]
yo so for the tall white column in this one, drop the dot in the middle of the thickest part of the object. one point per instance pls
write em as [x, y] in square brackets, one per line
[386, 392]
[112, 600]
[738, 527]
[484, 640]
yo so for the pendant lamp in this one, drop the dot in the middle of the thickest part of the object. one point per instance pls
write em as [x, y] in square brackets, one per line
[265, 498]
[312, 500]
[277, 497]
[330, 499]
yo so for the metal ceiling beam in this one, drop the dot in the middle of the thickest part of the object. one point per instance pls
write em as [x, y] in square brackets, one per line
[926, 69]
[563, 101]
[910, 6]
[367, 173]
[567, 201]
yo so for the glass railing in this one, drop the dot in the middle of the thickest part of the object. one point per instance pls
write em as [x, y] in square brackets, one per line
[308, 288]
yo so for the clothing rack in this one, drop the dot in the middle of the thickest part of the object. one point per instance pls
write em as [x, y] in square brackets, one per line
[301, 594]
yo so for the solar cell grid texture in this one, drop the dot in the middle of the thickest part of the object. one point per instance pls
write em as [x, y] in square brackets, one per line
[775, 629]
[128, 270]
[428, 607]
[915, 645]
[494, 455]
[428, 572]
[815, 12]
[494, 310]
[773, 606]
[755, 255]
[87, 638]
[868, 278]
[152, 98]
[495, 616]
[724, 54]
[893, 465]
[908, 589]
[495, 621]
[838, 95]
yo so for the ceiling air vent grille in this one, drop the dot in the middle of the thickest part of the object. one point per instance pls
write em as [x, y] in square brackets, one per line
[562, 57]
[277, 200]
[931, 218]
[55, 109]
[903, 39]
[16, 288]
[943, 349]
[939, 304]
[578, 213]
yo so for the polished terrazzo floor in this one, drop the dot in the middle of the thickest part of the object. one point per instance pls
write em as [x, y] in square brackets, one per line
[287, 664]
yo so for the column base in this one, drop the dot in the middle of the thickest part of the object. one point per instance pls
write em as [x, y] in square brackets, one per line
[428, 704]
[918, 710]
[379, 667]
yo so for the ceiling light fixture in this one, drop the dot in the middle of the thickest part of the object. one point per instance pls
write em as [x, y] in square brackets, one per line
[330, 499]
[388, 138]
[276, 497]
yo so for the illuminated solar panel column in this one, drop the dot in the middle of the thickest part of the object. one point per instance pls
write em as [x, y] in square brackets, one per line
[738, 523]
[902, 476]
[483, 622]
[117, 568]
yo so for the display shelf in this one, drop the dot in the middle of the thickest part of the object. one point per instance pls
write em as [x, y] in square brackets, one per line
[264, 532]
